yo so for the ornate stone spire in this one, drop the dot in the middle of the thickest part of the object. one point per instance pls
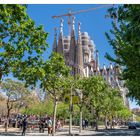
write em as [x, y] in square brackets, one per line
[55, 40]
[97, 59]
[72, 50]
[79, 53]
[72, 44]
[104, 69]
[73, 23]
[60, 41]
[79, 33]
[111, 67]
[61, 26]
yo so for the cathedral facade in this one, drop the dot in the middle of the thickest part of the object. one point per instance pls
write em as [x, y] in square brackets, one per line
[83, 58]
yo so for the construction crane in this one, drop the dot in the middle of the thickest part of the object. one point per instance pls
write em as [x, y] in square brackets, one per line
[70, 14]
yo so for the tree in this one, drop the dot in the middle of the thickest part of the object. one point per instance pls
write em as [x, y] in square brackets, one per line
[53, 80]
[82, 86]
[112, 103]
[93, 90]
[21, 42]
[97, 87]
[125, 41]
[14, 92]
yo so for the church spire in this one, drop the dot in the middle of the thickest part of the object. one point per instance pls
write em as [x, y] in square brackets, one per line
[72, 51]
[60, 41]
[72, 43]
[73, 23]
[97, 59]
[61, 26]
[55, 40]
[104, 69]
[79, 33]
[79, 53]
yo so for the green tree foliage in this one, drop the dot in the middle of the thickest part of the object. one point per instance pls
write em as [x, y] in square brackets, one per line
[39, 108]
[113, 103]
[125, 43]
[93, 94]
[124, 114]
[19, 37]
[63, 111]
[53, 79]
[15, 92]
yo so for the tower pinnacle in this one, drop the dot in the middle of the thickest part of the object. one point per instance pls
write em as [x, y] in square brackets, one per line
[55, 40]
[60, 40]
[97, 59]
[73, 22]
[61, 26]
[79, 33]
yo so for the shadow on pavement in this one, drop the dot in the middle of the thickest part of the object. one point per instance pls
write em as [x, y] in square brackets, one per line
[10, 134]
[116, 132]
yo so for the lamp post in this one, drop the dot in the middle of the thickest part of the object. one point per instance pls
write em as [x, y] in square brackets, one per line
[71, 109]
[79, 92]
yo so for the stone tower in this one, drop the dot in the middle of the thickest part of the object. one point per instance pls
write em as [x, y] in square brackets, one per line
[60, 40]
[79, 54]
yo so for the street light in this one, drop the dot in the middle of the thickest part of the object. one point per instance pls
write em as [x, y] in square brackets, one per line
[71, 109]
[80, 94]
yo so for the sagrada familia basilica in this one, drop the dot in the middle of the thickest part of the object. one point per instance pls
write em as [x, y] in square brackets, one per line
[81, 55]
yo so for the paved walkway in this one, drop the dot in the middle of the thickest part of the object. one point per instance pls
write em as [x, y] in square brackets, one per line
[118, 131]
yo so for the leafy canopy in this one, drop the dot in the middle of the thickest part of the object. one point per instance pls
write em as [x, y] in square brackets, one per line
[22, 43]
[126, 45]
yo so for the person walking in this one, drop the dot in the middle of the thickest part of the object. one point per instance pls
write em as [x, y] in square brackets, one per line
[24, 126]
[58, 125]
[86, 123]
[83, 124]
[41, 126]
[49, 126]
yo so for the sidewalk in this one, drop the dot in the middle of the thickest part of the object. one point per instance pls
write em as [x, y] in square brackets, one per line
[62, 132]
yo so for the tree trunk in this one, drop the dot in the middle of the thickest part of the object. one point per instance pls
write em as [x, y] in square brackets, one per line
[8, 114]
[7, 120]
[105, 122]
[111, 125]
[70, 124]
[97, 118]
[80, 128]
[54, 116]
